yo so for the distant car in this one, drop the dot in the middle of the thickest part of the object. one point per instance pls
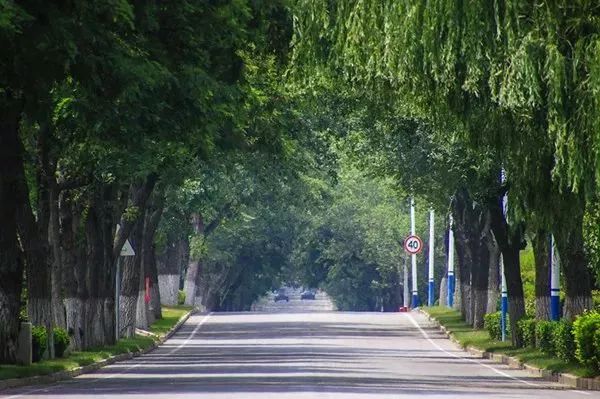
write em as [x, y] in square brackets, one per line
[281, 297]
[307, 295]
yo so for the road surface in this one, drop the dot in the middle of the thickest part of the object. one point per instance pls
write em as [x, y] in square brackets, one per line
[330, 355]
[321, 303]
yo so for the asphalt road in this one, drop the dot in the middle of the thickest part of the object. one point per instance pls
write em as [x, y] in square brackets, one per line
[304, 355]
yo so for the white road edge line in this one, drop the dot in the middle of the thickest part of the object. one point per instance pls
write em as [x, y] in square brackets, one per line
[500, 372]
[49, 388]
[432, 342]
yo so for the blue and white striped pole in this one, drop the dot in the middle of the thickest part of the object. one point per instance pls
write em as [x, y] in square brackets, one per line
[554, 281]
[430, 299]
[450, 265]
[415, 290]
[504, 290]
[504, 303]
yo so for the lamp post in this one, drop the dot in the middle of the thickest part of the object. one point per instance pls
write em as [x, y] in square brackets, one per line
[451, 264]
[431, 291]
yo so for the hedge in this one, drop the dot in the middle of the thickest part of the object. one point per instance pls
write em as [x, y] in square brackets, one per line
[39, 343]
[492, 323]
[544, 336]
[564, 343]
[526, 330]
[61, 341]
[585, 328]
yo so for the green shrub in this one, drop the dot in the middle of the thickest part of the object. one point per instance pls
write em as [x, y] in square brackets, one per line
[492, 323]
[39, 342]
[564, 344]
[597, 345]
[181, 297]
[526, 329]
[61, 341]
[584, 331]
[544, 336]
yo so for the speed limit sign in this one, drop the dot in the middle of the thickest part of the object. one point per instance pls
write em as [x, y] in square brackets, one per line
[413, 244]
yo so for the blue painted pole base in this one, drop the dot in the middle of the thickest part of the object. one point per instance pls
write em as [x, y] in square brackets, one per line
[430, 298]
[451, 290]
[503, 312]
[415, 301]
[554, 307]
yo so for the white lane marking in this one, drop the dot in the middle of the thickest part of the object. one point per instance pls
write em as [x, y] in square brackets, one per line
[49, 388]
[581, 392]
[139, 363]
[432, 342]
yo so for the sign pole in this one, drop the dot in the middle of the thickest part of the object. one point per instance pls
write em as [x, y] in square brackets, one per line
[117, 295]
[451, 264]
[126, 250]
[431, 291]
[554, 280]
[415, 291]
[406, 299]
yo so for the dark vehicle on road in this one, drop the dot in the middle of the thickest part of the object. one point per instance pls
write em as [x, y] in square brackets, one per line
[307, 295]
[281, 297]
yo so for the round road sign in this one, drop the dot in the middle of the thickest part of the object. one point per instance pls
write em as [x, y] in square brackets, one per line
[413, 244]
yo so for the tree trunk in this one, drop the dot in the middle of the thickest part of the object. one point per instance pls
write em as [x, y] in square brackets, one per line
[493, 277]
[190, 282]
[11, 265]
[510, 243]
[100, 276]
[151, 220]
[443, 291]
[568, 232]
[542, 274]
[38, 262]
[86, 245]
[131, 283]
[170, 267]
[482, 239]
[193, 296]
[471, 230]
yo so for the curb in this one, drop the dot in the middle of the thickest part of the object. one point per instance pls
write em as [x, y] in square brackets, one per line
[68, 374]
[569, 380]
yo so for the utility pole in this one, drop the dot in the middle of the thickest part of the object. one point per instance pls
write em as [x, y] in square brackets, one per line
[431, 291]
[504, 303]
[451, 264]
[554, 280]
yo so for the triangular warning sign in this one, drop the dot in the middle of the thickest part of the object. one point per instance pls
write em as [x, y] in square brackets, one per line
[127, 249]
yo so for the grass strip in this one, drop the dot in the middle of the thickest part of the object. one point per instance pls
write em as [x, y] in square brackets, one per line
[467, 336]
[171, 316]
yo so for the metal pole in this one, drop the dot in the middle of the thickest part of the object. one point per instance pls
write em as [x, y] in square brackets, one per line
[504, 303]
[406, 291]
[554, 281]
[415, 291]
[451, 264]
[117, 295]
[430, 300]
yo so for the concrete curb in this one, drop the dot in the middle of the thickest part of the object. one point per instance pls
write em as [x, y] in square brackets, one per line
[68, 374]
[569, 380]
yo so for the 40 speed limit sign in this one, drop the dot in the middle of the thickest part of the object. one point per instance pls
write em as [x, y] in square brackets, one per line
[413, 244]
